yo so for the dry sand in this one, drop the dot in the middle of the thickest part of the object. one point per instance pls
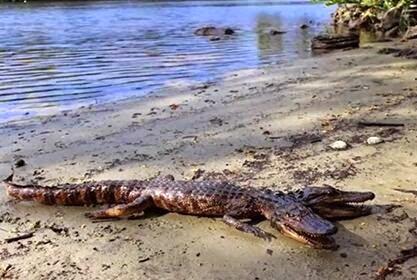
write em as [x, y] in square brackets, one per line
[266, 127]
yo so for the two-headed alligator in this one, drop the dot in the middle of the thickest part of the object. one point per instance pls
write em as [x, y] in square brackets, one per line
[302, 215]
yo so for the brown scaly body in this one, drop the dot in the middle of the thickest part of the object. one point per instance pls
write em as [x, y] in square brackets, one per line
[287, 212]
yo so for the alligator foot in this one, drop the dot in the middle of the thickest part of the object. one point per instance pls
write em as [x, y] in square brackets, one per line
[122, 210]
[239, 225]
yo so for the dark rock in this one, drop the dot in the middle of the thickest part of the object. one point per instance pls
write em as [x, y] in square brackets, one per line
[389, 51]
[304, 26]
[214, 31]
[19, 163]
[335, 41]
[229, 31]
[410, 53]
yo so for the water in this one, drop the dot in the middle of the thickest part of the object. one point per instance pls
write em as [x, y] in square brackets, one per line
[61, 55]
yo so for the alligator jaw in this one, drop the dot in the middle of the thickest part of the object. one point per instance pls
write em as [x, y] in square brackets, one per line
[341, 211]
[334, 204]
[317, 241]
[307, 228]
[329, 195]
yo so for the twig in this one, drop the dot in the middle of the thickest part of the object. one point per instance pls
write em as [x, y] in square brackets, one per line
[144, 259]
[407, 191]
[19, 237]
[2, 229]
[384, 271]
[5, 271]
[366, 123]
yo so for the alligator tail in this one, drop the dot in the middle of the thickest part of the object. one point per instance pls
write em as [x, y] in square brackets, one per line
[68, 194]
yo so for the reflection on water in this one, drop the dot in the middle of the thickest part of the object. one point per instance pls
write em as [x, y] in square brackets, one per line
[62, 55]
[269, 44]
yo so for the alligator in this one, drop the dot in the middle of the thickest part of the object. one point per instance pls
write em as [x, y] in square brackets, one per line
[303, 215]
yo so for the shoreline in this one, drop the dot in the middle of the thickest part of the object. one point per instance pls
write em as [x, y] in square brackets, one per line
[263, 127]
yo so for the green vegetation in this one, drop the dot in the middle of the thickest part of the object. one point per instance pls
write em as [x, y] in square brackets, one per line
[381, 4]
[389, 17]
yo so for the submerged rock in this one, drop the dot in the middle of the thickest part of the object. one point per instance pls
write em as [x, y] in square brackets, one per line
[339, 145]
[214, 31]
[374, 140]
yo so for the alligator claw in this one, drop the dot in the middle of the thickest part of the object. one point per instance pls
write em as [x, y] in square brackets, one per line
[262, 234]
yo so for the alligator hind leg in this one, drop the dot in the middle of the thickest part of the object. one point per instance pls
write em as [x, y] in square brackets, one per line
[123, 210]
[239, 225]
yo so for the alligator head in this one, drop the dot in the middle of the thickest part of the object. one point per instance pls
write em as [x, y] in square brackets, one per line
[300, 223]
[334, 204]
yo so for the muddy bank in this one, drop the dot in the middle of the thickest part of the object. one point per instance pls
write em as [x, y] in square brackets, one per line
[267, 127]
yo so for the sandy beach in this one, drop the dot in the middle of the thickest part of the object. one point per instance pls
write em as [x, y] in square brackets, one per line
[263, 127]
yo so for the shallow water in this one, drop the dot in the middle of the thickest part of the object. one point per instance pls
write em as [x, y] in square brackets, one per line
[60, 55]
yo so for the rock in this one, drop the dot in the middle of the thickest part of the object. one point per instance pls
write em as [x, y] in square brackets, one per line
[389, 51]
[410, 53]
[339, 145]
[229, 31]
[335, 41]
[214, 31]
[374, 140]
[19, 163]
[304, 26]
[411, 33]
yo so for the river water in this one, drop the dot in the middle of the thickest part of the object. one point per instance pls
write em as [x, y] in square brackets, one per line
[60, 55]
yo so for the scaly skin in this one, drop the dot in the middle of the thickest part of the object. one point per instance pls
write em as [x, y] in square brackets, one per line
[287, 212]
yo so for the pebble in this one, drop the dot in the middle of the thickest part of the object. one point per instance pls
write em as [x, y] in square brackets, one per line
[20, 163]
[339, 145]
[374, 140]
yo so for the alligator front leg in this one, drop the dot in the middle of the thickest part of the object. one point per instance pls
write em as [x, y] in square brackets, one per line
[123, 210]
[239, 225]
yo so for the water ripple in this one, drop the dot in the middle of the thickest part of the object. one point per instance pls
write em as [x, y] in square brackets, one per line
[64, 54]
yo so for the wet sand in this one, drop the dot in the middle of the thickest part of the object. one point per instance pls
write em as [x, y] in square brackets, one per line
[265, 127]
